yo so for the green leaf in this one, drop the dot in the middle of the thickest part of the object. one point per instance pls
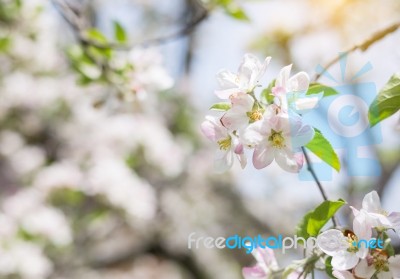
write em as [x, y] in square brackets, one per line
[95, 35]
[315, 220]
[221, 106]
[233, 9]
[387, 102]
[266, 95]
[119, 32]
[321, 147]
[328, 267]
[316, 88]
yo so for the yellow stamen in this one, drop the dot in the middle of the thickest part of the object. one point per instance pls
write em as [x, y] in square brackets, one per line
[277, 140]
[225, 144]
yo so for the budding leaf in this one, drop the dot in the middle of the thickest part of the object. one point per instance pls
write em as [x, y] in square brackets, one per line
[316, 88]
[328, 267]
[119, 32]
[387, 102]
[221, 106]
[266, 95]
[321, 147]
[233, 9]
[315, 220]
[95, 35]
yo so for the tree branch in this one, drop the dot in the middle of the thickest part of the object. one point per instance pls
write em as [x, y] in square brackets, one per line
[74, 20]
[363, 46]
[314, 175]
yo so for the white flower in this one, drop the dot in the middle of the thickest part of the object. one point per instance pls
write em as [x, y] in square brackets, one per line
[376, 216]
[278, 137]
[249, 73]
[228, 144]
[378, 264]
[266, 265]
[291, 91]
[344, 250]
[241, 113]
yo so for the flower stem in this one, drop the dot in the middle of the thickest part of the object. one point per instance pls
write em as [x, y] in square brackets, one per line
[314, 175]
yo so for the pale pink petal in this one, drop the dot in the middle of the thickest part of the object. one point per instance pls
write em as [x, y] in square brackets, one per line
[265, 256]
[394, 266]
[253, 134]
[263, 68]
[283, 77]
[303, 104]
[332, 241]
[372, 203]
[362, 228]
[343, 274]
[226, 93]
[242, 102]
[223, 160]
[300, 134]
[226, 79]
[363, 270]
[213, 129]
[344, 260]
[234, 120]
[255, 272]
[288, 160]
[394, 218]
[355, 211]
[263, 156]
[298, 83]
[385, 275]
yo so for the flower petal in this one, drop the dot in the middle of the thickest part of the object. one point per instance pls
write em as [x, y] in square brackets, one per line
[263, 156]
[332, 241]
[234, 120]
[226, 79]
[394, 266]
[363, 270]
[223, 160]
[283, 77]
[344, 260]
[371, 203]
[298, 83]
[255, 272]
[213, 129]
[288, 160]
[343, 274]
[362, 227]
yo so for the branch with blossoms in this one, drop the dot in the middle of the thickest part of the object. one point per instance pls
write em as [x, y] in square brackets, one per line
[363, 252]
[270, 126]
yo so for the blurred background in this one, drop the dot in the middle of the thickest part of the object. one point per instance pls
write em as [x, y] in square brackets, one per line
[103, 170]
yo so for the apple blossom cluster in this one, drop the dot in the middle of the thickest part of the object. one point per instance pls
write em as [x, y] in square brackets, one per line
[349, 261]
[270, 125]
[349, 256]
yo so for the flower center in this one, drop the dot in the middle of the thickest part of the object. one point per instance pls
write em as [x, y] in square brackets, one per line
[255, 115]
[276, 139]
[225, 144]
[380, 260]
[352, 241]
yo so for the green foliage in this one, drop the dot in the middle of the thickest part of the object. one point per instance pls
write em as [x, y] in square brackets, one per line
[387, 102]
[221, 106]
[233, 9]
[321, 147]
[316, 88]
[328, 267]
[266, 95]
[84, 64]
[119, 32]
[315, 220]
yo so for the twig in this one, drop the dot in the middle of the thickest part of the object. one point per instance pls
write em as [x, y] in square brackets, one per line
[73, 19]
[363, 46]
[314, 175]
